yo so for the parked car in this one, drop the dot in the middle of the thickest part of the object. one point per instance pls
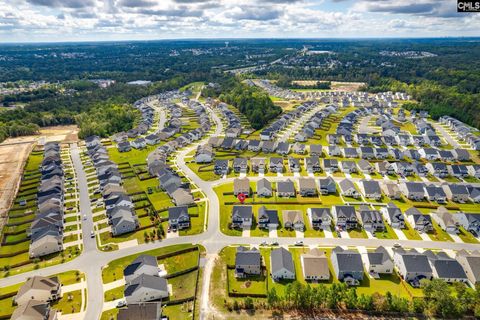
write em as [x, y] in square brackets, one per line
[92, 234]
[299, 243]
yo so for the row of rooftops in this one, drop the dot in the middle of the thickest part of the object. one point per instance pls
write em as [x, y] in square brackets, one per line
[119, 206]
[463, 131]
[348, 265]
[384, 99]
[46, 229]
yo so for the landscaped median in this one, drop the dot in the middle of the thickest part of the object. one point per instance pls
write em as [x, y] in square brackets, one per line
[180, 265]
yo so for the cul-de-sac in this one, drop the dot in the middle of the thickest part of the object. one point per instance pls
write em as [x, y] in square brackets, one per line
[285, 178]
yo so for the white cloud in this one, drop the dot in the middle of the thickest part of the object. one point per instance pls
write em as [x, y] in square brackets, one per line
[38, 20]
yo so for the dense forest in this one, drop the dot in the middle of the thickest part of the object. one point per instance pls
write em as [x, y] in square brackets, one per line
[254, 103]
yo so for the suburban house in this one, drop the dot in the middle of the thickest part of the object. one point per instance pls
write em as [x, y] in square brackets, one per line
[445, 220]
[123, 220]
[470, 222]
[293, 219]
[34, 310]
[282, 267]
[334, 151]
[327, 186]
[241, 185]
[146, 288]
[240, 165]
[349, 166]
[178, 218]
[294, 164]
[316, 150]
[456, 192]
[221, 167]
[435, 193]
[204, 154]
[345, 217]
[365, 166]
[143, 264]
[307, 187]
[330, 165]
[471, 264]
[247, 262]
[348, 266]
[320, 218]
[347, 189]
[391, 190]
[371, 189]
[371, 219]
[141, 311]
[312, 164]
[413, 190]
[264, 188]
[420, 222]
[39, 288]
[276, 165]
[258, 165]
[286, 188]
[446, 268]
[412, 266]
[394, 216]
[315, 265]
[242, 217]
[379, 262]
[268, 219]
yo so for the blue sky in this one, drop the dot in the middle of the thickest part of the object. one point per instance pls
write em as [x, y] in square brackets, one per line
[85, 20]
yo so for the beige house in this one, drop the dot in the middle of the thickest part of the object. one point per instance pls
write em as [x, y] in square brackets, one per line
[34, 310]
[47, 244]
[293, 219]
[39, 288]
[241, 185]
[315, 265]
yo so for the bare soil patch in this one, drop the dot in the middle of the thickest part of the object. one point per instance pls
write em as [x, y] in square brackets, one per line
[14, 153]
[336, 86]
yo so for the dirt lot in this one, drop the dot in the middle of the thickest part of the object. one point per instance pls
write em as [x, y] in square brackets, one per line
[336, 86]
[13, 155]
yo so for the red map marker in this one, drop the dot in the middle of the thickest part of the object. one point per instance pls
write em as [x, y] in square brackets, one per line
[241, 197]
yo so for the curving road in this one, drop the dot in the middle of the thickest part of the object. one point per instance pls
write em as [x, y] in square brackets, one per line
[92, 260]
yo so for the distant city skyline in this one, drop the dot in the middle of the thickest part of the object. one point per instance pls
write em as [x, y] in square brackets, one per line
[113, 20]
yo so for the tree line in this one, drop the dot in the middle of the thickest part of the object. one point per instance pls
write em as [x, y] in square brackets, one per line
[439, 300]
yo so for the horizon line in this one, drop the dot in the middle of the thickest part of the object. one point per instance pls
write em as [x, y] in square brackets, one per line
[193, 39]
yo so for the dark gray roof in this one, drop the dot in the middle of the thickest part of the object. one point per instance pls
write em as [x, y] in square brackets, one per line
[416, 262]
[285, 186]
[281, 258]
[348, 261]
[146, 281]
[247, 257]
[245, 212]
[140, 261]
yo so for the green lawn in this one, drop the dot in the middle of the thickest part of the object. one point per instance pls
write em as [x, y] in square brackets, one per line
[467, 236]
[410, 233]
[109, 314]
[71, 302]
[183, 286]
[114, 270]
[255, 285]
[114, 294]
